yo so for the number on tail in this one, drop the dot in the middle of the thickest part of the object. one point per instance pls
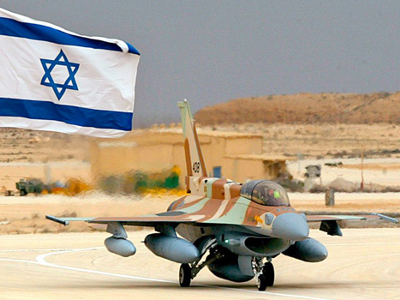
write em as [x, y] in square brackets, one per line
[196, 167]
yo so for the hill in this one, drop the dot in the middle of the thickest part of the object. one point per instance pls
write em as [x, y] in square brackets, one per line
[306, 108]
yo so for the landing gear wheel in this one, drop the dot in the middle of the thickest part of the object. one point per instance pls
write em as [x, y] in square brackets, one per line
[185, 275]
[269, 274]
[261, 283]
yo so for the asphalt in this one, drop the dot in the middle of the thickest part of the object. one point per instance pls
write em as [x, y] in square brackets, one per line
[363, 264]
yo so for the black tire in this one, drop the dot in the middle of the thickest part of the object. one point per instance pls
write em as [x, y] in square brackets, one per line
[23, 192]
[261, 283]
[269, 273]
[185, 275]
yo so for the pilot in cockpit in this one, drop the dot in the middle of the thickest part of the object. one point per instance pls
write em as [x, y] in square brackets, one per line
[266, 193]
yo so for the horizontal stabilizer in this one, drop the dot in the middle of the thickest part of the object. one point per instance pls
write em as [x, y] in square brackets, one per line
[331, 228]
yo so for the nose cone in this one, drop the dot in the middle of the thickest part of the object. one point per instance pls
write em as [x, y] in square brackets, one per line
[290, 226]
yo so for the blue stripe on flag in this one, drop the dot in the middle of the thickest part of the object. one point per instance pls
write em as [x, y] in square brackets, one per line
[10, 27]
[85, 117]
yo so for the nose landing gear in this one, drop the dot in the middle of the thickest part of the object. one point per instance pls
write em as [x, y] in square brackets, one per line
[265, 273]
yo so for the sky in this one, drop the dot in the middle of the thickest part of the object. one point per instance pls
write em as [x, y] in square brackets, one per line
[213, 51]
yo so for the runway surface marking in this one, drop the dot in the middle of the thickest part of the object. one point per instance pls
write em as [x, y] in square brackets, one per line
[19, 260]
[41, 260]
[44, 250]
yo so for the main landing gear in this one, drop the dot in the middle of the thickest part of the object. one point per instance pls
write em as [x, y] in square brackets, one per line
[185, 275]
[265, 273]
[187, 272]
[262, 267]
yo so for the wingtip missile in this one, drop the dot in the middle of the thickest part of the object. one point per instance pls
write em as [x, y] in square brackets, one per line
[57, 220]
[387, 218]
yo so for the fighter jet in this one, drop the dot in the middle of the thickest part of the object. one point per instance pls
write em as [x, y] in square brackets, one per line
[234, 229]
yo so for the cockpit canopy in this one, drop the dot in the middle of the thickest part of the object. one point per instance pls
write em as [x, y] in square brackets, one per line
[265, 192]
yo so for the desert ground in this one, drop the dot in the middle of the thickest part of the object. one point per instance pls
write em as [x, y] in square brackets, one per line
[53, 156]
[323, 140]
[332, 108]
[364, 264]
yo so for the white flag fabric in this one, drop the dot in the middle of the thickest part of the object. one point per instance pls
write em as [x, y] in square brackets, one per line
[53, 79]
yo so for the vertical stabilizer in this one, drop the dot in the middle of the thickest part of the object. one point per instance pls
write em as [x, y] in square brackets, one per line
[194, 158]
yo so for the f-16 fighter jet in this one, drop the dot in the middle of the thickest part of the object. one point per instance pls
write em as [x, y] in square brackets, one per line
[236, 230]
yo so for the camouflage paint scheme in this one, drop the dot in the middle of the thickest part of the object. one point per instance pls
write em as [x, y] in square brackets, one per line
[242, 230]
[222, 205]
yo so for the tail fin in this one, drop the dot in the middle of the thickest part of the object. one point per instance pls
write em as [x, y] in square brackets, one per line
[194, 158]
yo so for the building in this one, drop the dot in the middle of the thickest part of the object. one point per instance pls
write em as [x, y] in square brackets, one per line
[236, 156]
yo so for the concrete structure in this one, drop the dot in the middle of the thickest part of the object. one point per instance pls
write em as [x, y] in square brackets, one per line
[235, 156]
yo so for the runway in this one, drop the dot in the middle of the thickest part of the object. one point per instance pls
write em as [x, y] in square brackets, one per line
[364, 264]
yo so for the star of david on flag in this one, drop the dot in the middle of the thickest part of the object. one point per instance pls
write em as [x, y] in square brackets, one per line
[69, 83]
[57, 80]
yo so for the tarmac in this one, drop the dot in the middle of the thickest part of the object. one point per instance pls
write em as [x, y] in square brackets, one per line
[363, 264]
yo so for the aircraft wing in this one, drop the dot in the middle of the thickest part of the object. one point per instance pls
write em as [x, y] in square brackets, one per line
[165, 218]
[174, 217]
[373, 216]
[330, 226]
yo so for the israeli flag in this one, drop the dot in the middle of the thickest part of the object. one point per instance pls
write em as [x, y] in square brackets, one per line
[53, 79]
